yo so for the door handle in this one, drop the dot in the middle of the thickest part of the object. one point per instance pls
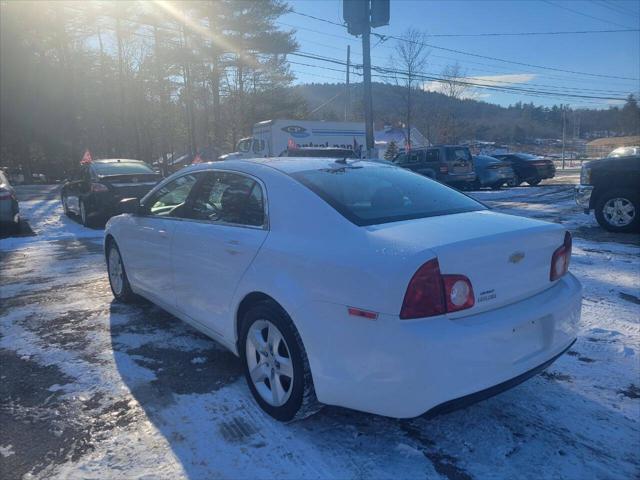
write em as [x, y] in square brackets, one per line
[233, 242]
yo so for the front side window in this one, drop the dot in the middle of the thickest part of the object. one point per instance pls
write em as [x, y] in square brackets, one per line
[372, 195]
[229, 198]
[169, 200]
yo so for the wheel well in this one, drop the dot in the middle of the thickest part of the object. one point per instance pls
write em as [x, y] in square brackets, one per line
[247, 302]
[107, 242]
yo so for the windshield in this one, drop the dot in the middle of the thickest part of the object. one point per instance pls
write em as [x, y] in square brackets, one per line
[371, 195]
[122, 168]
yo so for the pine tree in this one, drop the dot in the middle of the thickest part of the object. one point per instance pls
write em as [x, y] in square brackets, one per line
[391, 151]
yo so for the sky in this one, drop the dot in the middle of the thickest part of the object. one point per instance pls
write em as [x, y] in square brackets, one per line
[609, 54]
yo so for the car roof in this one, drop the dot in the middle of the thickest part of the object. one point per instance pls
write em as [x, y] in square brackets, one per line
[286, 165]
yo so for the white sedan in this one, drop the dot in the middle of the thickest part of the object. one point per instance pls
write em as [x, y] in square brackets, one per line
[350, 283]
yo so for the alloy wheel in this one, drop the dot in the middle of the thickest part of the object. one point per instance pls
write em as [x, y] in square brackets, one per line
[619, 212]
[83, 213]
[269, 362]
[116, 272]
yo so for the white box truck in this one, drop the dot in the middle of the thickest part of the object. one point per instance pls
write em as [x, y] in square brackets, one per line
[273, 137]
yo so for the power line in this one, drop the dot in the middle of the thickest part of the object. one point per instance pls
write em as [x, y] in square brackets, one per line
[430, 77]
[494, 34]
[461, 52]
[577, 12]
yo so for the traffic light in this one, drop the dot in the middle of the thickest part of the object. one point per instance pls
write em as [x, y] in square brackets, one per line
[379, 13]
[356, 15]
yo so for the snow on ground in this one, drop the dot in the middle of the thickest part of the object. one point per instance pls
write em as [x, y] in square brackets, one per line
[94, 389]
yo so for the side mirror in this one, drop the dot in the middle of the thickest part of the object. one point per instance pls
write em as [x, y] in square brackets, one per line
[130, 205]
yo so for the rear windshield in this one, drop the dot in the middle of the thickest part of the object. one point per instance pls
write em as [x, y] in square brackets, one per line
[375, 194]
[457, 154]
[122, 168]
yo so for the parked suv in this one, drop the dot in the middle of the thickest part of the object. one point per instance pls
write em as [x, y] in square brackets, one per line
[609, 186]
[451, 164]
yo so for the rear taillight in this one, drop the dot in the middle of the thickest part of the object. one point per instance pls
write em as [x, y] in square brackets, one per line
[99, 187]
[561, 258]
[444, 168]
[430, 293]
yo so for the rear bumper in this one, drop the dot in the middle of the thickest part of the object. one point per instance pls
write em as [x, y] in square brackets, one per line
[583, 196]
[545, 172]
[457, 178]
[405, 368]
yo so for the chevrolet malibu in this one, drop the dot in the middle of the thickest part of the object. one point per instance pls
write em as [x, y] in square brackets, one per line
[349, 283]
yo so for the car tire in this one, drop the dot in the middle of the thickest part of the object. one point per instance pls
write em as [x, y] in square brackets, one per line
[65, 207]
[118, 280]
[515, 181]
[275, 351]
[534, 181]
[618, 210]
[84, 215]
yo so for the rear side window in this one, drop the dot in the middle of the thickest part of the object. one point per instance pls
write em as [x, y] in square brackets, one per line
[371, 195]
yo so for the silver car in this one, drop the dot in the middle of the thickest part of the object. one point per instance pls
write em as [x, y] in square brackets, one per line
[9, 210]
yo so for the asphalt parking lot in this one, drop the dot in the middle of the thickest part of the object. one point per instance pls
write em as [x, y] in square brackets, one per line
[91, 388]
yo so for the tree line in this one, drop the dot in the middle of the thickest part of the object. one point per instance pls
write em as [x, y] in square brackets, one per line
[139, 79]
[150, 80]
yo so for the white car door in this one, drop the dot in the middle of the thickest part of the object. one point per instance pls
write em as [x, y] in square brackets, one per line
[212, 251]
[147, 245]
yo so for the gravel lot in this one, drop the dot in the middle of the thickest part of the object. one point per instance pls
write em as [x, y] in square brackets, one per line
[91, 389]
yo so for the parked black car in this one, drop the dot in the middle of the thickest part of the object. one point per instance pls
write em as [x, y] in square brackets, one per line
[492, 172]
[451, 164]
[96, 189]
[609, 186]
[528, 168]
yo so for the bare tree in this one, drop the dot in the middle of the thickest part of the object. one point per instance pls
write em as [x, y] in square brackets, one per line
[455, 87]
[409, 62]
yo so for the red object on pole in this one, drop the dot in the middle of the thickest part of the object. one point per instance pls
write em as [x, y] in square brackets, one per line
[86, 158]
[291, 144]
[197, 159]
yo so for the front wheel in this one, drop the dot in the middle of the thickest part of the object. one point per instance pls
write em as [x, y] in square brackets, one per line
[515, 181]
[619, 211]
[117, 275]
[275, 363]
[84, 215]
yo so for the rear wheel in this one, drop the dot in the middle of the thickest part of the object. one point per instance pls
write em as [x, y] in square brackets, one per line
[275, 363]
[515, 181]
[117, 275]
[534, 181]
[618, 211]
[65, 205]
[84, 215]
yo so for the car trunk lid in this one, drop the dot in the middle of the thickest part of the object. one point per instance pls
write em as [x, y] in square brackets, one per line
[131, 185]
[506, 258]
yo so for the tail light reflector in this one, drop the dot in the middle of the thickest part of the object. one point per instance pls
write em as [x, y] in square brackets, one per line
[430, 293]
[444, 168]
[561, 259]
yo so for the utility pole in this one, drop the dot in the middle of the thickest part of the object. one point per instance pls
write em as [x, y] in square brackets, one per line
[368, 100]
[360, 16]
[347, 98]
[563, 132]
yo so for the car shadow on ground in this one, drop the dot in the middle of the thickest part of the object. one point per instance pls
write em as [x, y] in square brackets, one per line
[193, 391]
